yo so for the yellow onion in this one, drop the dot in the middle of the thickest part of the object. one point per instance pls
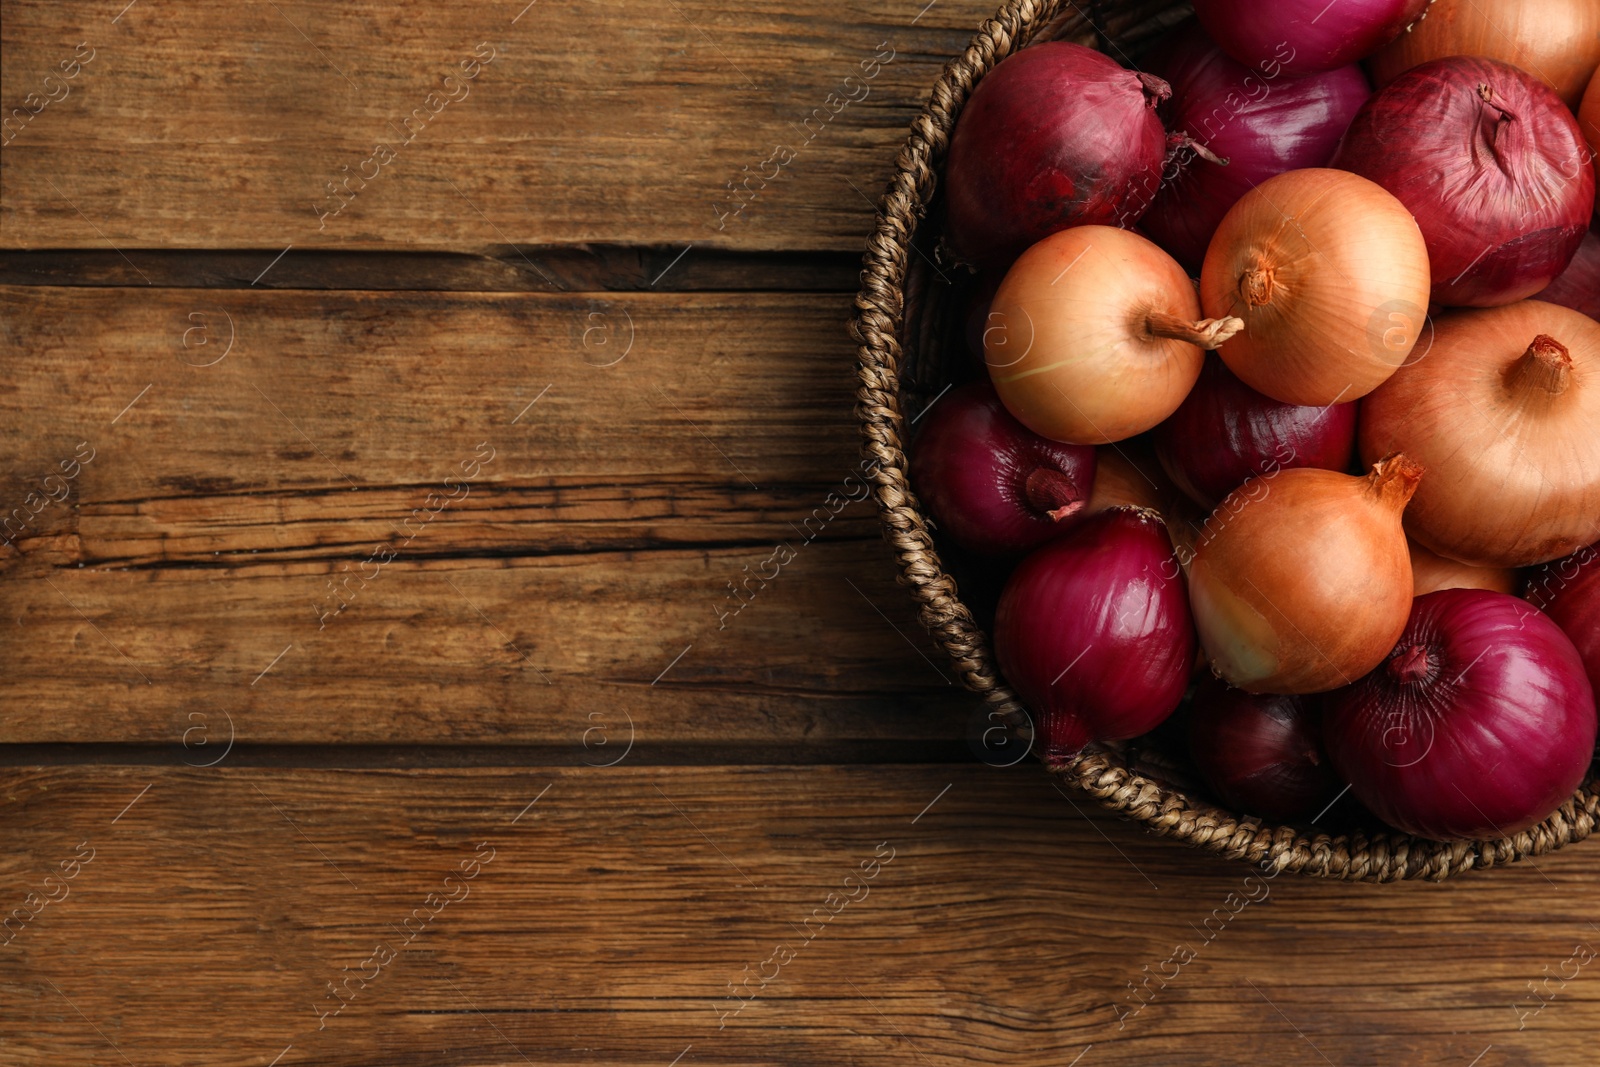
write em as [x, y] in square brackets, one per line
[1330, 275]
[1557, 41]
[1431, 572]
[1504, 412]
[1301, 582]
[1126, 475]
[1095, 335]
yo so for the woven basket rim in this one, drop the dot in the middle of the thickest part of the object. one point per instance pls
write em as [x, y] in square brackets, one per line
[878, 326]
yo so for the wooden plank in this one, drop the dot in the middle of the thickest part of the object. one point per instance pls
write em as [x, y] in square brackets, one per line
[623, 917]
[560, 529]
[469, 652]
[221, 125]
[184, 392]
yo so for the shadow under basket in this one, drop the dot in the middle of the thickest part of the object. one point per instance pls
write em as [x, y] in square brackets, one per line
[909, 326]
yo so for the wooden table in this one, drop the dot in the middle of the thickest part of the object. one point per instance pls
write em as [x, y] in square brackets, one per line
[371, 686]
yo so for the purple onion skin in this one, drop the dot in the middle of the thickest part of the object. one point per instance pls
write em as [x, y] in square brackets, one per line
[1579, 285]
[1568, 590]
[1305, 36]
[1057, 135]
[1479, 725]
[1262, 126]
[1225, 432]
[990, 481]
[1094, 634]
[1261, 755]
[1503, 202]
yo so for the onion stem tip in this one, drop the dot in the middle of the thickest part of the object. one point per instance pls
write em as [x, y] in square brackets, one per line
[1546, 365]
[1052, 493]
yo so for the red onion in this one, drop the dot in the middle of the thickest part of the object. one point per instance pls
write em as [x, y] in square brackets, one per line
[1494, 168]
[1579, 285]
[1261, 755]
[1056, 135]
[1568, 590]
[1093, 632]
[995, 486]
[1226, 432]
[1259, 125]
[1305, 36]
[1478, 725]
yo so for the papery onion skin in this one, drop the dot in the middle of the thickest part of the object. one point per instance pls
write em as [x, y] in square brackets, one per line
[1305, 36]
[1493, 167]
[1479, 724]
[1261, 754]
[1056, 135]
[1225, 432]
[1578, 287]
[1507, 435]
[1330, 274]
[1261, 125]
[1127, 477]
[1568, 590]
[1557, 41]
[1431, 572]
[1093, 633]
[1301, 582]
[1069, 345]
[993, 486]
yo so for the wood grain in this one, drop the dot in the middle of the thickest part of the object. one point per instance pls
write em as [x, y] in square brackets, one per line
[227, 511]
[361, 390]
[617, 910]
[462, 652]
[220, 125]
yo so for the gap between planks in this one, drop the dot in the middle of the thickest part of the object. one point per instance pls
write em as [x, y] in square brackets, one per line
[550, 269]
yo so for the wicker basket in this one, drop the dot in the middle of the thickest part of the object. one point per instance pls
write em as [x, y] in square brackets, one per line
[903, 325]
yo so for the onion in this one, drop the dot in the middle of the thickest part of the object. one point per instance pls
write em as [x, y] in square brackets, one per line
[1095, 336]
[1556, 40]
[1261, 755]
[1492, 165]
[1479, 724]
[1305, 36]
[1093, 632]
[1056, 135]
[1124, 477]
[1431, 572]
[1568, 590]
[1251, 127]
[1589, 122]
[1225, 432]
[1330, 275]
[1128, 475]
[1300, 583]
[1504, 412]
[1579, 285]
[993, 486]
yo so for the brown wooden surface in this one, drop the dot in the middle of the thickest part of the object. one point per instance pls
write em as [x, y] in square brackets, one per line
[268, 798]
[217, 125]
[617, 910]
